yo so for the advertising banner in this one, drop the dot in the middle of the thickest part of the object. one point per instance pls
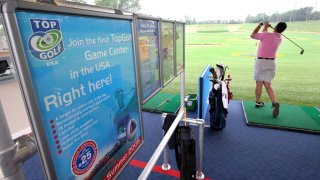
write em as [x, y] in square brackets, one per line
[148, 40]
[167, 57]
[83, 73]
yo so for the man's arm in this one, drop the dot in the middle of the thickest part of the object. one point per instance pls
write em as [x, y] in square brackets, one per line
[265, 28]
[256, 30]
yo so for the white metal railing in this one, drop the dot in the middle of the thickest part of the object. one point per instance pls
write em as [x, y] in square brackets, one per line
[162, 147]
[146, 171]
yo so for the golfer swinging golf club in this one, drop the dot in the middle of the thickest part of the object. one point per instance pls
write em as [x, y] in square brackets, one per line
[264, 69]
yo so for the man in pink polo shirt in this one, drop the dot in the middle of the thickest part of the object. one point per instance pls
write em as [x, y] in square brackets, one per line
[265, 65]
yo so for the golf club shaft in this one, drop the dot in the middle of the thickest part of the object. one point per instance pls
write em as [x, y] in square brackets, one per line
[162, 103]
[289, 39]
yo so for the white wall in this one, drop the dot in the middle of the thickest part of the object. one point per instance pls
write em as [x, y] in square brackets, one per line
[14, 108]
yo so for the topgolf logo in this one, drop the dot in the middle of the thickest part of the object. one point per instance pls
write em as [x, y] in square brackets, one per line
[46, 41]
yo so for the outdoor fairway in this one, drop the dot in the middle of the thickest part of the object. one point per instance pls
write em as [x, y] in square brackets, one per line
[297, 79]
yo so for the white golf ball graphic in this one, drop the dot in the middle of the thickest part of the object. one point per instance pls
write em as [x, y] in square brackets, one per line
[48, 39]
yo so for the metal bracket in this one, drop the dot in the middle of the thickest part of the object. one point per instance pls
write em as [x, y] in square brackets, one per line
[26, 148]
[12, 158]
[12, 155]
[7, 164]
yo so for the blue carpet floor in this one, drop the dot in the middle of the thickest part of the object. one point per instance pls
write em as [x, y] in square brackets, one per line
[237, 152]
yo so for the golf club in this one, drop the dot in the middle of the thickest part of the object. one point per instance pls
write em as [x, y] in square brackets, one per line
[302, 50]
[162, 103]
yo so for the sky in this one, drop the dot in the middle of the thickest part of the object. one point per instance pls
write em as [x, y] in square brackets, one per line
[222, 9]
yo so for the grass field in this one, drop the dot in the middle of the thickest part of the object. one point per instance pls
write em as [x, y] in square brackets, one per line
[297, 79]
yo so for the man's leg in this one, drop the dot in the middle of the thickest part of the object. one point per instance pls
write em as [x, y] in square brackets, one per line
[259, 85]
[270, 91]
[272, 96]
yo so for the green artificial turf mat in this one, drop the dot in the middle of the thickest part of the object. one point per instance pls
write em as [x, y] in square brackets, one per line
[163, 103]
[301, 118]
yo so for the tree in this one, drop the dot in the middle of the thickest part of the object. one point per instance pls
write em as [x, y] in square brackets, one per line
[249, 19]
[315, 15]
[302, 14]
[275, 17]
[286, 16]
[187, 20]
[126, 5]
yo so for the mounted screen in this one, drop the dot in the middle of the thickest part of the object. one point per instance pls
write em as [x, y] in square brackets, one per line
[82, 72]
[149, 60]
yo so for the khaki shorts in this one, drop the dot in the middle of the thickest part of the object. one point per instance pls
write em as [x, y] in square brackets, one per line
[264, 70]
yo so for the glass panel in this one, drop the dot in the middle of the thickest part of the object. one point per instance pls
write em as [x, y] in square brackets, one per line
[167, 51]
[179, 47]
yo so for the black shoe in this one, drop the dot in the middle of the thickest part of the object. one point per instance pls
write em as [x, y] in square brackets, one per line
[259, 104]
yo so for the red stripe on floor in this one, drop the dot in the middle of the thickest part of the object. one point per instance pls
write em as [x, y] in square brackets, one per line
[158, 169]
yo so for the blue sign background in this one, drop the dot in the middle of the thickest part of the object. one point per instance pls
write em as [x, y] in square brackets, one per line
[204, 89]
[84, 90]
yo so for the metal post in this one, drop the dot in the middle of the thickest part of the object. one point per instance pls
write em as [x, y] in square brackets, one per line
[13, 154]
[201, 124]
[182, 91]
[165, 166]
[200, 175]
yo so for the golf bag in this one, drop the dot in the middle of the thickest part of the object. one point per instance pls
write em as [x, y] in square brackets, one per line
[185, 152]
[219, 97]
[166, 126]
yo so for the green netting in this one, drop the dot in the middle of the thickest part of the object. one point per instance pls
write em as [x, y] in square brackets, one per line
[300, 118]
[163, 102]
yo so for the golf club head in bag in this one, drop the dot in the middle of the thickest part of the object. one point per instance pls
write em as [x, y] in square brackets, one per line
[220, 71]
